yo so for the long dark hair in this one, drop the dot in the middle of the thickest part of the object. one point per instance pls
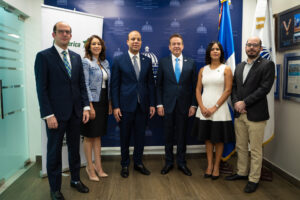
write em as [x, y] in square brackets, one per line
[87, 47]
[208, 50]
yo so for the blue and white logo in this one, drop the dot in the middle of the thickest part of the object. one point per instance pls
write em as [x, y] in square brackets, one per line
[118, 23]
[147, 28]
[175, 24]
[201, 51]
[174, 3]
[202, 29]
[117, 53]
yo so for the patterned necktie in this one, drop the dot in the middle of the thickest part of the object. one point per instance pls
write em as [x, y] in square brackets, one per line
[66, 62]
[177, 70]
[136, 67]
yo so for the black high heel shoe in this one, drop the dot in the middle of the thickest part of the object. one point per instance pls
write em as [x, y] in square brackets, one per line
[208, 175]
[215, 177]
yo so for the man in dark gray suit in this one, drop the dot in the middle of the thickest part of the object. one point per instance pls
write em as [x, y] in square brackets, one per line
[252, 81]
[176, 101]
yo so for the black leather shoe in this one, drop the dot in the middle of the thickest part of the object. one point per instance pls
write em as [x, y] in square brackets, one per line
[214, 177]
[142, 169]
[207, 175]
[166, 169]
[250, 187]
[124, 172]
[235, 177]
[185, 170]
[57, 195]
[80, 187]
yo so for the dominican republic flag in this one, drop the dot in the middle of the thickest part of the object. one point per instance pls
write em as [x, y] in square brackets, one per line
[263, 28]
[226, 39]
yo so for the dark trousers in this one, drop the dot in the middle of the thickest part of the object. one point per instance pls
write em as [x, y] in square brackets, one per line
[54, 150]
[132, 123]
[175, 127]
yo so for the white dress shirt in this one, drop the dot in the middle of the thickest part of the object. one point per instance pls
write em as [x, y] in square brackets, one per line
[137, 59]
[180, 61]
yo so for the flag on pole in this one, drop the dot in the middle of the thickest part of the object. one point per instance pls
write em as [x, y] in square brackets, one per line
[263, 28]
[226, 39]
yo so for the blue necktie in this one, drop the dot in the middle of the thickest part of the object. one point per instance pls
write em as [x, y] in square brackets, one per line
[177, 70]
[66, 62]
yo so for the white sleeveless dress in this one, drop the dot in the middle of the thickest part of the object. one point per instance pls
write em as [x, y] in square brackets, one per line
[218, 127]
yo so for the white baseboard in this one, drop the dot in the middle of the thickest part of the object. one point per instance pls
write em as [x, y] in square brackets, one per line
[152, 150]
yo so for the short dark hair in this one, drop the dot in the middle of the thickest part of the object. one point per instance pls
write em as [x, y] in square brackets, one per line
[175, 35]
[87, 48]
[208, 50]
[54, 27]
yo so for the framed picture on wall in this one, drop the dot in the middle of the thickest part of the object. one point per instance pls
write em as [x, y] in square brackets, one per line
[277, 82]
[288, 29]
[291, 79]
[1, 101]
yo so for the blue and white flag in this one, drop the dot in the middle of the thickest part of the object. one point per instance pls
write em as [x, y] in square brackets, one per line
[263, 28]
[226, 39]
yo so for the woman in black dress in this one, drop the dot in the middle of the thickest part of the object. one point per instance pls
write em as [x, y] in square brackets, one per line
[97, 79]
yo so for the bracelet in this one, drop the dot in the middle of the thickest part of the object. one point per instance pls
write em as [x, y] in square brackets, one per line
[217, 105]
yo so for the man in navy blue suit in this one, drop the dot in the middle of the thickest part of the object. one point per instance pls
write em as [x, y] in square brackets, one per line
[133, 100]
[63, 104]
[176, 101]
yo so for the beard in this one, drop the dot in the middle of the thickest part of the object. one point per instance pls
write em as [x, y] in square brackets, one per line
[252, 55]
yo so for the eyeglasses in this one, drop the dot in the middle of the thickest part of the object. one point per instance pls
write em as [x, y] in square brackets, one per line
[252, 45]
[63, 31]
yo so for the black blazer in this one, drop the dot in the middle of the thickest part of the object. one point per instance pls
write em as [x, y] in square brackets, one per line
[57, 93]
[254, 90]
[169, 91]
[125, 87]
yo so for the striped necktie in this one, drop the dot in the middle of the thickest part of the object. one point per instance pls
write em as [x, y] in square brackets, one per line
[66, 62]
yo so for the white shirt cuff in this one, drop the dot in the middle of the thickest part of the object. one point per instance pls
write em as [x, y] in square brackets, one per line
[86, 108]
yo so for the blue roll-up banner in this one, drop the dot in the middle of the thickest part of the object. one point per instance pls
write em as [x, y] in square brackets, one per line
[196, 20]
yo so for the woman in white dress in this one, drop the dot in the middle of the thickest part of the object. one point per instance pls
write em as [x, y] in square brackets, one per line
[213, 122]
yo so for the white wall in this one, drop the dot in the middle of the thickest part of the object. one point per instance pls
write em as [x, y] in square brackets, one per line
[32, 8]
[284, 150]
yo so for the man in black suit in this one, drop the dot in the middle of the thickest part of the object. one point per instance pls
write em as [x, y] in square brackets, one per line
[252, 81]
[133, 100]
[176, 101]
[63, 104]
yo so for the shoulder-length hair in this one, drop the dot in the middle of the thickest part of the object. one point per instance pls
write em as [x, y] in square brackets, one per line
[87, 47]
[208, 50]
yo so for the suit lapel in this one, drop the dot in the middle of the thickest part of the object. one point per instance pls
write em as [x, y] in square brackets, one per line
[59, 61]
[184, 68]
[170, 68]
[73, 61]
[143, 66]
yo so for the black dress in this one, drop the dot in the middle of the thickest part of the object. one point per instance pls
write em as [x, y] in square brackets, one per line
[98, 126]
